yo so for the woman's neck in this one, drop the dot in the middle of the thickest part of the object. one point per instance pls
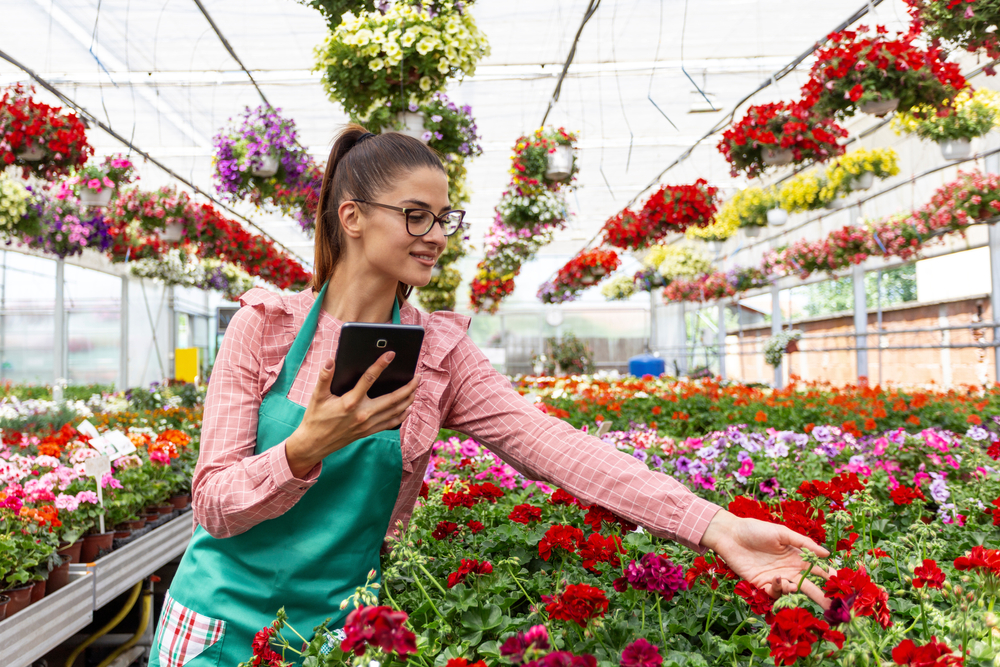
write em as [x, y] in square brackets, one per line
[355, 296]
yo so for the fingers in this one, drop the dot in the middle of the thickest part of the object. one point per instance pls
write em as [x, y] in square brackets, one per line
[322, 389]
[780, 586]
[404, 396]
[368, 379]
[798, 541]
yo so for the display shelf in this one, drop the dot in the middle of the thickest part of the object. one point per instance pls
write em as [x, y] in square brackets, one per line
[42, 626]
[123, 568]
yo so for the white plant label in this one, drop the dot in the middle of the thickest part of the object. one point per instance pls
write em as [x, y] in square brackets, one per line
[113, 444]
[97, 467]
[602, 429]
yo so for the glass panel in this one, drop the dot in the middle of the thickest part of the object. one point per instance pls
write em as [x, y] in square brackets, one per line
[27, 325]
[94, 346]
[183, 331]
[200, 331]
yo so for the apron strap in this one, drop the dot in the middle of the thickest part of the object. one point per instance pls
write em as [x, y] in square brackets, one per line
[303, 340]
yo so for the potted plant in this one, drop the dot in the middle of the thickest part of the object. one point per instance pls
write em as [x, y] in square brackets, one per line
[586, 268]
[257, 154]
[95, 184]
[18, 215]
[43, 140]
[754, 208]
[857, 171]
[803, 192]
[545, 159]
[878, 74]
[675, 208]
[408, 52]
[488, 289]
[673, 261]
[779, 134]
[779, 344]
[959, 24]
[165, 213]
[972, 114]
[619, 288]
[520, 209]
[65, 228]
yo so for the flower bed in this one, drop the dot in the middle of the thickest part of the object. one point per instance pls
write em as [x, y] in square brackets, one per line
[47, 502]
[499, 568]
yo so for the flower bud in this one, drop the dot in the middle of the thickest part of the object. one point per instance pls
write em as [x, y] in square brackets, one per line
[958, 590]
[343, 605]
[991, 620]
[372, 573]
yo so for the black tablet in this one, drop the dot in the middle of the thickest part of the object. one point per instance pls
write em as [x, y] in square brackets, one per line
[360, 346]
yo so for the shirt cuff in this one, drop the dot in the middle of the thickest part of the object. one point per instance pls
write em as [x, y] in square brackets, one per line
[694, 522]
[282, 475]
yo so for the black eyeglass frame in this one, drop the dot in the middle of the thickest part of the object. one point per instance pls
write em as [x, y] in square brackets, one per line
[406, 215]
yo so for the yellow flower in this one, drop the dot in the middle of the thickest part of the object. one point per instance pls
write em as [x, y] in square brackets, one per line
[426, 45]
[443, 66]
[801, 193]
[362, 37]
[425, 83]
[409, 37]
[376, 64]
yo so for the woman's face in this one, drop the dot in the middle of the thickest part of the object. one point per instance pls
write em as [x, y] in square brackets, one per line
[386, 244]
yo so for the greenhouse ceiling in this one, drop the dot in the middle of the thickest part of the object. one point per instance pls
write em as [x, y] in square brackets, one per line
[640, 90]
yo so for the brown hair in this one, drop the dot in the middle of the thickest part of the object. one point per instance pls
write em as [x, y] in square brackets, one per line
[361, 170]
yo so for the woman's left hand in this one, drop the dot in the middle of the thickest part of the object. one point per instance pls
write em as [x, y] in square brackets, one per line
[765, 554]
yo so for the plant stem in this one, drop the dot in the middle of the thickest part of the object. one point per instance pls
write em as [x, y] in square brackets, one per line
[659, 616]
[518, 582]
[642, 628]
[431, 577]
[423, 590]
[711, 607]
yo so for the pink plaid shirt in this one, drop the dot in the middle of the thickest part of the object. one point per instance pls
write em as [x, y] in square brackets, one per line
[235, 489]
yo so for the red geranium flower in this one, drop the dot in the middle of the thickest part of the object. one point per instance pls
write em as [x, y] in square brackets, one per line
[453, 499]
[463, 662]
[869, 599]
[263, 654]
[599, 549]
[760, 602]
[641, 653]
[485, 491]
[902, 495]
[794, 632]
[931, 654]
[596, 515]
[928, 574]
[475, 527]
[980, 558]
[579, 603]
[559, 537]
[702, 567]
[525, 514]
[561, 497]
[380, 627]
[444, 529]
[469, 566]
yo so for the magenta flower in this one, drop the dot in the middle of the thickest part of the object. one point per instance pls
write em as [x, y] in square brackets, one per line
[641, 653]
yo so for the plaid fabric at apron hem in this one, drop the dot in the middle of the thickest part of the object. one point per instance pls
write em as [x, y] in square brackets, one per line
[184, 634]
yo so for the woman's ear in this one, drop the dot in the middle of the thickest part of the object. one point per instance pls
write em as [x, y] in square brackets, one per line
[350, 218]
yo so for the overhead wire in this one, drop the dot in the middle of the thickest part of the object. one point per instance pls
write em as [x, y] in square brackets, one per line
[728, 118]
[591, 10]
[107, 128]
[232, 52]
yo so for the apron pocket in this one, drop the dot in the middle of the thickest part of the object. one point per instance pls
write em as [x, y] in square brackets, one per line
[184, 634]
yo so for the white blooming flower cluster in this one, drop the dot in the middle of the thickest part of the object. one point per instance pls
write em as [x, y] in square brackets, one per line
[618, 288]
[177, 267]
[674, 261]
[544, 208]
[14, 198]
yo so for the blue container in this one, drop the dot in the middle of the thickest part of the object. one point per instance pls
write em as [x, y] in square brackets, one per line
[646, 364]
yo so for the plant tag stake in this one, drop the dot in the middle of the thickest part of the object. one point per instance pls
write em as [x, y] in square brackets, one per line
[602, 429]
[113, 444]
[96, 467]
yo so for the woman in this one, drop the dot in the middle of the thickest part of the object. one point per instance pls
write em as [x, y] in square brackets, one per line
[295, 488]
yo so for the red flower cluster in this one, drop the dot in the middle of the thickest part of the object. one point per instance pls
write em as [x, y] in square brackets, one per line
[931, 654]
[380, 627]
[599, 549]
[496, 289]
[26, 123]
[674, 208]
[626, 229]
[928, 574]
[858, 67]
[857, 590]
[980, 558]
[561, 497]
[701, 567]
[263, 654]
[760, 602]
[586, 267]
[641, 653]
[779, 126]
[469, 566]
[597, 515]
[579, 603]
[444, 530]
[903, 495]
[525, 514]
[793, 633]
[834, 490]
[559, 536]
[796, 515]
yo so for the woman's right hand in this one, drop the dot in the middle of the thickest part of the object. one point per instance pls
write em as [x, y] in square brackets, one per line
[333, 422]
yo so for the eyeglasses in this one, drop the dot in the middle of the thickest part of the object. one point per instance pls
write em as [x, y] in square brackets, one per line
[420, 221]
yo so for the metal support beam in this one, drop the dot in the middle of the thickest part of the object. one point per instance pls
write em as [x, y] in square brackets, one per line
[779, 371]
[59, 343]
[993, 167]
[722, 340]
[860, 320]
[653, 340]
[123, 345]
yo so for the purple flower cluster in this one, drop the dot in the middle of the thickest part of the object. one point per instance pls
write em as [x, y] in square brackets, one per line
[655, 573]
[239, 149]
[66, 227]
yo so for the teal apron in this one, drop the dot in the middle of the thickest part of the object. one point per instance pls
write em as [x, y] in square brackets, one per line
[309, 559]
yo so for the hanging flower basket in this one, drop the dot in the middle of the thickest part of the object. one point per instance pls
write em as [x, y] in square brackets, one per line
[532, 210]
[43, 140]
[779, 134]
[404, 55]
[955, 149]
[488, 289]
[585, 269]
[532, 155]
[172, 232]
[863, 182]
[964, 25]
[258, 158]
[752, 232]
[99, 198]
[674, 208]
[560, 164]
[858, 70]
[627, 230]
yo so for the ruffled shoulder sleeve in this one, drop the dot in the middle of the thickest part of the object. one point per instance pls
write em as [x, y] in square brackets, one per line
[442, 332]
[278, 331]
